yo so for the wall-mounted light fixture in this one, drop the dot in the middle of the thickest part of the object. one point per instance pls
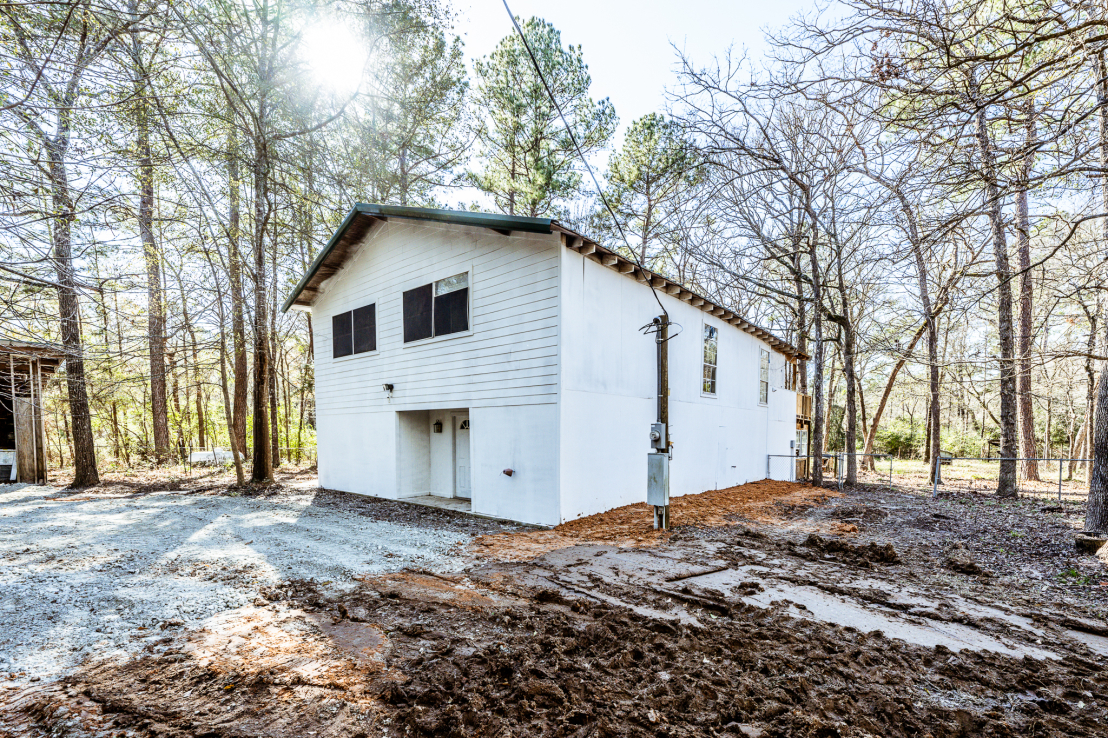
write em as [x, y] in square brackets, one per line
[386, 387]
[437, 427]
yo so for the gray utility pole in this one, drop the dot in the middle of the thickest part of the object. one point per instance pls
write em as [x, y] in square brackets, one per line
[657, 484]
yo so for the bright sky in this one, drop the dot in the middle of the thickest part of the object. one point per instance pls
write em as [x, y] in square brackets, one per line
[627, 43]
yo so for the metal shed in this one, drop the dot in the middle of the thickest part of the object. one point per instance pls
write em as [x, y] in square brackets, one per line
[24, 368]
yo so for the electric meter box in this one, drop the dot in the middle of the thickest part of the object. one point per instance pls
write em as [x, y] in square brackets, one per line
[657, 480]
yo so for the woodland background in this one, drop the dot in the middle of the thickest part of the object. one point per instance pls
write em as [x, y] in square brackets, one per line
[911, 192]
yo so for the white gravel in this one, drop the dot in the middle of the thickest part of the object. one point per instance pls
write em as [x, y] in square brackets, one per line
[80, 576]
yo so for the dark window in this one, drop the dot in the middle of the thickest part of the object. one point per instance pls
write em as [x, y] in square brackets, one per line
[341, 335]
[437, 309]
[452, 312]
[354, 332]
[365, 329]
[417, 313]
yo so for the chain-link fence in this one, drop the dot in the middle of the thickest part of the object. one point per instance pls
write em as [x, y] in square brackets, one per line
[1063, 479]
[193, 459]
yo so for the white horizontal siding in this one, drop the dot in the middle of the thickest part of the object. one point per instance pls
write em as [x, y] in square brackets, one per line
[510, 356]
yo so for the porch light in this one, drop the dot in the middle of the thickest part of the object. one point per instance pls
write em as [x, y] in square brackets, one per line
[437, 427]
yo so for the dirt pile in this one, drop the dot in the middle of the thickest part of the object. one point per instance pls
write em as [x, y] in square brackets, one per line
[767, 501]
[863, 556]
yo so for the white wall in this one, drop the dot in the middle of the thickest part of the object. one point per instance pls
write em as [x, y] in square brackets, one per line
[413, 453]
[507, 361]
[357, 453]
[523, 438]
[609, 383]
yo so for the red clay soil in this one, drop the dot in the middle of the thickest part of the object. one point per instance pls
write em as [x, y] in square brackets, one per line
[633, 525]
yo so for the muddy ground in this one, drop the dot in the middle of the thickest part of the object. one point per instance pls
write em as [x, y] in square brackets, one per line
[775, 610]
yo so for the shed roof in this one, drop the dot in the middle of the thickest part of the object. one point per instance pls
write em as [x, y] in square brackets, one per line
[15, 353]
[363, 216]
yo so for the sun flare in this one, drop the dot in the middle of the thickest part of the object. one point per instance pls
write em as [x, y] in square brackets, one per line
[335, 54]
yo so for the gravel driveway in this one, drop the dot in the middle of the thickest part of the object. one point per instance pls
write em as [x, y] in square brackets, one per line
[93, 575]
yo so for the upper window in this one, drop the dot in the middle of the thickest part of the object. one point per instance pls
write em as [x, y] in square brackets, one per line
[354, 332]
[763, 379]
[711, 353]
[437, 309]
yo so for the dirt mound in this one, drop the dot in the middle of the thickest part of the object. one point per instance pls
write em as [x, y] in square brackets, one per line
[864, 556]
[633, 525]
[958, 558]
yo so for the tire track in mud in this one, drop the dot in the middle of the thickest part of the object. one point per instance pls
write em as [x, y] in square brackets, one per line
[704, 632]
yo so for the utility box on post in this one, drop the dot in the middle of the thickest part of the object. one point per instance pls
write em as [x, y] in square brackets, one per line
[657, 480]
[657, 488]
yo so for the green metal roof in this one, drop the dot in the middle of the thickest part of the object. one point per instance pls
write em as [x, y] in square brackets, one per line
[366, 213]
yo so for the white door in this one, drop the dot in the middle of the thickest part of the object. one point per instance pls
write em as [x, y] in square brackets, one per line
[461, 456]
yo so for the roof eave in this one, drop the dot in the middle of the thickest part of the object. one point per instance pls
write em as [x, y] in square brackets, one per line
[602, 254]
[504, 224]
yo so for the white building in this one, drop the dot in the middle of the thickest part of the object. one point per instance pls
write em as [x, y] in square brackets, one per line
[451, 347]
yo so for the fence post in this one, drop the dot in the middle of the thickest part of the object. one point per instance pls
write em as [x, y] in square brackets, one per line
[935, 478]
[1059, 480]
[890, 471]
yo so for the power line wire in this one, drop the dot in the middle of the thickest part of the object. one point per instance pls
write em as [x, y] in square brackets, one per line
[581, 155]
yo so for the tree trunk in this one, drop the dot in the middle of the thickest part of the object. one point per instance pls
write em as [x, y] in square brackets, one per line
[850, 445]
[801, 319]
[238, 296]
[274, 397]
[236, 450]
[1096, 512]
[832, 385]
[934, 428]
[1023, 237]
[816, 441]
[1006, 482]
[927, 437]
[1083, 447]
[201, 431]
[85, 473]
[851, 381]
[155, 310]
[262, 471]
[871, 437]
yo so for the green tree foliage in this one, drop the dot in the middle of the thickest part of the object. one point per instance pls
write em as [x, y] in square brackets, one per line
[648, 181]
[528, 157]
[406, 138]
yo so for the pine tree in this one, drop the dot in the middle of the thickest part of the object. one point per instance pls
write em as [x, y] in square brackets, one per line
[529, 161]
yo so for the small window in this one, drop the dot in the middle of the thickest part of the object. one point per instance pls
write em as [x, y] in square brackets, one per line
[437, 309]
[452, 305]
[711, 352]
[354, 332]
[417, 314]
[342, 335]
[763, 379]
[365, 329]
